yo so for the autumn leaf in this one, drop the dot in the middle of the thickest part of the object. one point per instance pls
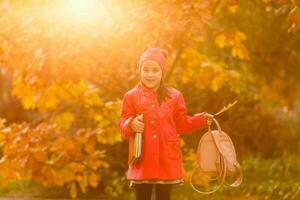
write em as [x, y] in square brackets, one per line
[2, 123]
[65, 120]
[239, 37]
[191, 156]
[40, 156]
[59, 179]
[28, 103]
[89, 146]
[73, 191]
[49, 98]
[235, 41]
[82, 186]
[202, 179]
[266, 1]
[220, 40]
[232, 9]
[93, 180]
[197, 177]
[25, 92]
[100, 163]
[218, 81]
[84, 182]
[225, 108]
[232, 6]
[240, 51]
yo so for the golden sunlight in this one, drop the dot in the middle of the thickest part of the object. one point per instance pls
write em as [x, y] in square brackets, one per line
[84, 10]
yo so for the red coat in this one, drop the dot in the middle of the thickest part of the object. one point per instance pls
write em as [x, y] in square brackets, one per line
[161, 154]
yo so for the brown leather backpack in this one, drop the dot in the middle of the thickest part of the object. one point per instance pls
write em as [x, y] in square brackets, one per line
[216, 159]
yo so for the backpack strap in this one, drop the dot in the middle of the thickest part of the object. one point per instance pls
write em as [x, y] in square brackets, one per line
[239, 178]
[221, 177]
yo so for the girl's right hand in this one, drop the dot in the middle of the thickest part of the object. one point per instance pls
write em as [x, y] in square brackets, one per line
[209, 118]
[137, 124]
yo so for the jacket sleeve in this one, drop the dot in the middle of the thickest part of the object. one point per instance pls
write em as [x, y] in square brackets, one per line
[184, 123]
[127, 115]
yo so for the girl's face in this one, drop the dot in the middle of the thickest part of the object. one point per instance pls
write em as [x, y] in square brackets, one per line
[151, 74]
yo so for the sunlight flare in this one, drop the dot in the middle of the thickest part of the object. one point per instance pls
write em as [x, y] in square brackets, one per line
[84, 10]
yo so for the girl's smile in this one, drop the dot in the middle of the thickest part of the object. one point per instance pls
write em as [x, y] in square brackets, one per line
[151, 74]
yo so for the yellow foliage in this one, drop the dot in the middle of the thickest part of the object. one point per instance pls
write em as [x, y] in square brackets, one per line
[235, 41]
[82, 187]
[2, 123]
[220, 40]
[93, 179]
[239, 37]
[266, 1]
[198, 178]
[82, 136]
[35, 94]
[59, 179]
[99, 134]
[76, 167]
[191, 60]
[103, 164]
[191, 156]
[76, 90]
[68, 174]
[2, 139]
[38, 153]
[232, 9]
[187, 75]
[49, 98]
[73, 190]
[40, 156]
[64, 120]
[89, 146]
[84, 182]
[4, 172]
[96, 116]
[201, 178]
[26, 92]
[91, 97]
[191, 57]
[182, 142]
[240, 51]
[218, 81]
[28, 102]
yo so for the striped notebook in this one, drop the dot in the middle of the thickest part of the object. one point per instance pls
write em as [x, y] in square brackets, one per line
[135, 148]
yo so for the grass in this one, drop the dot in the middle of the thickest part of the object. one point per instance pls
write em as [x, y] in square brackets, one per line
[272, 179]
[263, 179]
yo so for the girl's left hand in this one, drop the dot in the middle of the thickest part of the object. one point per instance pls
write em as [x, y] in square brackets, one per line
[209, 118]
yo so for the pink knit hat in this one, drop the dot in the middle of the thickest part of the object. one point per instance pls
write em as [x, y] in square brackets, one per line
[156, 54]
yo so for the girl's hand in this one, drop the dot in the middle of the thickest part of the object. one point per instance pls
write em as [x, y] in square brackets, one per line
[137, 124]
[208, 118]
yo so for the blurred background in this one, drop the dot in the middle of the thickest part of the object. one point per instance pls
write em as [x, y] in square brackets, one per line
[65, 66]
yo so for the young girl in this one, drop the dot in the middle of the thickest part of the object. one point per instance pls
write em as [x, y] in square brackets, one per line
[160, 114]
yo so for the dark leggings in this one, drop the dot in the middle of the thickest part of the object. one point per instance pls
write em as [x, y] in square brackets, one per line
[144, 191]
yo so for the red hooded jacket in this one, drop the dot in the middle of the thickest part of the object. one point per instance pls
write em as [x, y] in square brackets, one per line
[161, 153]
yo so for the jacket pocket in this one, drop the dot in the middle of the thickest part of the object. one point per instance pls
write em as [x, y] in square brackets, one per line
[174, 150]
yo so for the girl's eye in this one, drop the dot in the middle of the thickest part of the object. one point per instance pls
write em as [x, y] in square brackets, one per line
[152, 69]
